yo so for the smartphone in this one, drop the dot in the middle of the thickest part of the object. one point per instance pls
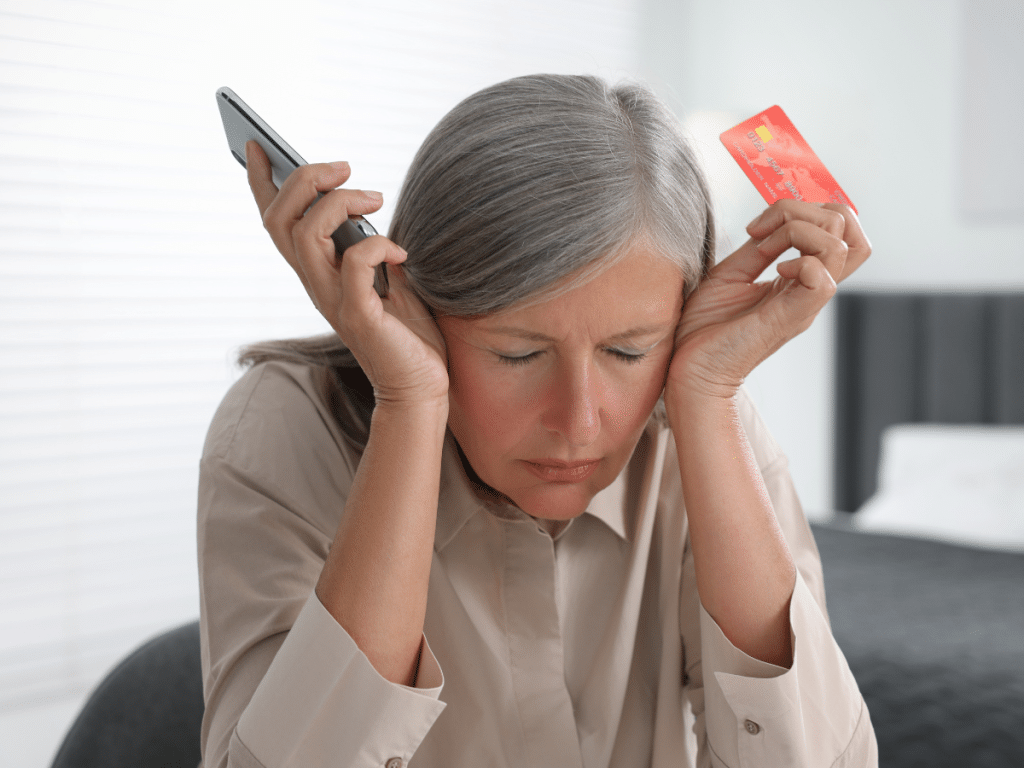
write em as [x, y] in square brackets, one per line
[241, 124]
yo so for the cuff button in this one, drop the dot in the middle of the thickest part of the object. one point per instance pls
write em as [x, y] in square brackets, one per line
[752, 728]
[394, 762]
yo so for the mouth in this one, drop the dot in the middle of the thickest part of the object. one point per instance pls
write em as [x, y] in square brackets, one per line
[554, 471]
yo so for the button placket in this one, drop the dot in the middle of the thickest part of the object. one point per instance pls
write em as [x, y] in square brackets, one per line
[535, 648]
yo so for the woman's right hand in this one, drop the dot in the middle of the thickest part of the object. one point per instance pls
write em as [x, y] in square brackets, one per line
[395, 339]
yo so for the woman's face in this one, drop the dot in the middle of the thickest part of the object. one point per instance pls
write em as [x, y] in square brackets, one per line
[547, 402]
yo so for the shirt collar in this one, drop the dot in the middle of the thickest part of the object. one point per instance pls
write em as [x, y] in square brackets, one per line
[608, 506]
[615, 506]
[618, 505]
[457, 501]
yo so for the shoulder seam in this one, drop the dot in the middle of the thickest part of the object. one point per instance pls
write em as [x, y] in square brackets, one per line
[222, 454]
[780, 462]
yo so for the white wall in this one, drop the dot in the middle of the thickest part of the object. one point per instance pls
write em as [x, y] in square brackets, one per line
[876, 89]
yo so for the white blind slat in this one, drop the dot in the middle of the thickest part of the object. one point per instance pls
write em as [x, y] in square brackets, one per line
[133, 264]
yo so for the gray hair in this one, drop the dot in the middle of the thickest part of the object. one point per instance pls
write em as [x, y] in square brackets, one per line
[532, 180]
[530, 188]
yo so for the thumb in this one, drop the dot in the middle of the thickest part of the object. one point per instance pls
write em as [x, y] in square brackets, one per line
[261, 181]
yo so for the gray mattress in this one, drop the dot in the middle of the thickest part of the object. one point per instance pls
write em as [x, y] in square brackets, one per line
[934, 634]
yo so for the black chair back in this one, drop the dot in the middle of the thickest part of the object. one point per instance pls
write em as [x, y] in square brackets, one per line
[147, 712]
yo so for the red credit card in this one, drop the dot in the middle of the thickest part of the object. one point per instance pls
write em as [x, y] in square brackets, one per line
[779, 162]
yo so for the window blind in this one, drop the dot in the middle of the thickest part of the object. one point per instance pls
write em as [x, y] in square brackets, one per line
[133, 264]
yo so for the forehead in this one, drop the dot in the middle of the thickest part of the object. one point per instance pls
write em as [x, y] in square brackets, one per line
[642, 289]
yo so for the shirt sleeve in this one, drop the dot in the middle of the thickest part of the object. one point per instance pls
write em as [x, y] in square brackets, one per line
[750, 712]
[284, 683]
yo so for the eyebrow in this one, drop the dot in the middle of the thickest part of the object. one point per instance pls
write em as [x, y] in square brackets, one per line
[632, 333]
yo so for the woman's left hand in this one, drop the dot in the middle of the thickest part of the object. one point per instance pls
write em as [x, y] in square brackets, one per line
[730, 323]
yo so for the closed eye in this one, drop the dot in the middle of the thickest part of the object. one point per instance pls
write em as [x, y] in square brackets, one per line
[628, 357]
[522, 360]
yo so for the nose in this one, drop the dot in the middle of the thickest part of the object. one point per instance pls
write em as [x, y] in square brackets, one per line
[574, 405]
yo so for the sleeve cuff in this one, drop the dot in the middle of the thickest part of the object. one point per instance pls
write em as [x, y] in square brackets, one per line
[729, 659]
[762, 714]
[321, 697]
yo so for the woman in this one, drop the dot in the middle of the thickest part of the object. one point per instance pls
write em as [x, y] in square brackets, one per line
[539, 524]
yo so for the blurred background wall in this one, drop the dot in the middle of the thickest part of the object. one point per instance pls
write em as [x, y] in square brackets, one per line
[898, 99]
[133, 264]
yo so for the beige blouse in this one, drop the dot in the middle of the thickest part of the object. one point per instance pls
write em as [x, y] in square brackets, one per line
[591, 649]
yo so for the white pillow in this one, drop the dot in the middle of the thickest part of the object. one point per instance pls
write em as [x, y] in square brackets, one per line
[963, 484]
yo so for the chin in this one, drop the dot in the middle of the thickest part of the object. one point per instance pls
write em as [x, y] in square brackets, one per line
[556, 502]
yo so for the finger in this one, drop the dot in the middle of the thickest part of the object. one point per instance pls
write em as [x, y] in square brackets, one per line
[351, 281]
[743, 264]
[307, 181]
[314, 230]
[404, 304]
[853, 234]
[810, 240]
[808, 272]
[783, 211]
[808, 288]
[261, 180]
[401, 301]
[299, 191]
[407, 306]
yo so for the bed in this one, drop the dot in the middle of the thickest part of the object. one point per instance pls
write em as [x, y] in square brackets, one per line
[931, 616]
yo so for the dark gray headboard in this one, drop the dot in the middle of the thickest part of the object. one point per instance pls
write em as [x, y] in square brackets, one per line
[953, 358]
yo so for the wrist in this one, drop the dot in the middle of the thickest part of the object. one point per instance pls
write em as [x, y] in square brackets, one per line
[423, 412]
[698, 374]
[697, 401]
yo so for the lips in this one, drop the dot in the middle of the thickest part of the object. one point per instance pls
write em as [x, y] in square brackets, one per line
[554, 471]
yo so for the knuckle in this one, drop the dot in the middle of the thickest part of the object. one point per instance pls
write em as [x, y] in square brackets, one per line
[829, 288]
[272, 217]
[835, 223]
[272, 221]
[370, 250]
[800, 227]
[841, 208]
[334, 198]
[785, 207]
[305, 173]
[359, 254]
[303, 230]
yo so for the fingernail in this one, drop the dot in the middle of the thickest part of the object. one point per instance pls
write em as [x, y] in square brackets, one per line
[757, 218]
[339, 165]
[377, 197]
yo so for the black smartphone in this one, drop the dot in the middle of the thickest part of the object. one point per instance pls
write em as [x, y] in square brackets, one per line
[241, 124]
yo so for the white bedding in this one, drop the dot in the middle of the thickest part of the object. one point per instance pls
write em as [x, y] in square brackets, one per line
[963, 484]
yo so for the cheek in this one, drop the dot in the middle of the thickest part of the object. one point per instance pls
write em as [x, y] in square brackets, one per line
[488, 408]
[631, 392]
[631, 398]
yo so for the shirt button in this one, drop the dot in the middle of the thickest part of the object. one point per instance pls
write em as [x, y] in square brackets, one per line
[752, 728]
[394, 762]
